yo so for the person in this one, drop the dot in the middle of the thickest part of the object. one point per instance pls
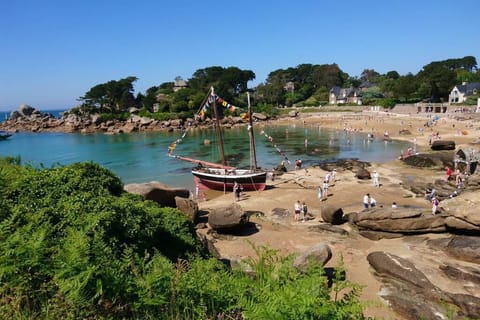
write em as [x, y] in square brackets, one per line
[448, 172]
[431, 194]
[304, 211]
[328, 176]
[373, 202]
[297, 208]
[435, 203]
[366, 201]
[319, 193]
[394, 205]
[325, 189]
[237, 189]
[333, 175]
[375, 179]
[298, 164]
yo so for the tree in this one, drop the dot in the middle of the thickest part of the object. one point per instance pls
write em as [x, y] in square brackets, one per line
[369, 75]
[439, 78]
[115, 95]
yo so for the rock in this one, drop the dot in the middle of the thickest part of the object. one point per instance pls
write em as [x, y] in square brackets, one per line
[280, 214]
[394, 267]
[292, 114]
[404, 132]
[26, 110]
[378, 235]
[328, 228]
[399, 220]
[462, 273]
[332, 214]
[437, 159]
[259, 116]
[443, 145]
[209, 243]
[320, 253]
[227, 218]
[466, 248]
[188, 207]
[363, 174]
[158, 192]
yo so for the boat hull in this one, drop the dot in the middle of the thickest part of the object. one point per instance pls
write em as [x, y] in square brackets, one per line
[223, 180]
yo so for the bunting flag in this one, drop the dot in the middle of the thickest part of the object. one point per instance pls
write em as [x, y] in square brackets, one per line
[174, 144]
[270, 139]
[220, 101]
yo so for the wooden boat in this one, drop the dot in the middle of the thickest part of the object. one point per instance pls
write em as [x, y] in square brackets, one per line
[221, 176]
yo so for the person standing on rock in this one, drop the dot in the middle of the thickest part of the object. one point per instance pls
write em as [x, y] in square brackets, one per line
[448, 172]
[435, 203]
[304, 211]
[366, 201]
[297, 208]
[375, 179]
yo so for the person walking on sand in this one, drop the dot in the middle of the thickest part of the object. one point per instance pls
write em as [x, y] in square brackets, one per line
[319, 193]
[325, 189]
[333, 175]
[237, 190]
[375, 179]
[297, 208]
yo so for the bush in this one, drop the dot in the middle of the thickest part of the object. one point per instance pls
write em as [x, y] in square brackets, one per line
[75, 246]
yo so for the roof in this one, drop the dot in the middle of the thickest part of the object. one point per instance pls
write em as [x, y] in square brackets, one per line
[468, 88]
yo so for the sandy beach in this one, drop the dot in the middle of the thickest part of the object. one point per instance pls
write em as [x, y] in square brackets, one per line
[290, 236]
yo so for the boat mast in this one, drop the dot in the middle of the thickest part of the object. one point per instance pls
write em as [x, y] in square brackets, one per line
[218, 129]
[253, 152]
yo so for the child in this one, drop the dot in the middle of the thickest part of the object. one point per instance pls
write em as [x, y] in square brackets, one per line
[435, 203]
[304, 211]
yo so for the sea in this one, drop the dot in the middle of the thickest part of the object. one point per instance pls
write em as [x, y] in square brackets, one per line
[143, 157]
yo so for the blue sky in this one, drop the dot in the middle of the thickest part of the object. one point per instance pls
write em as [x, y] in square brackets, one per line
[54, 51]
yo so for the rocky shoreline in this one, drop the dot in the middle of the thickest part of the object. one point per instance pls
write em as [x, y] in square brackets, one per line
[28, 119]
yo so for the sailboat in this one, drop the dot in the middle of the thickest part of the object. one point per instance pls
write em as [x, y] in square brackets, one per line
[221, 176]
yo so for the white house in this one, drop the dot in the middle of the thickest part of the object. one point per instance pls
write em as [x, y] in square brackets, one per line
[460, 93]
[339, 95]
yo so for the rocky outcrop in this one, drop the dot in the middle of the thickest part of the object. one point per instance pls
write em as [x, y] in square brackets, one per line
[465, 248]
[443, 145]
[436, 159]
[319, 253]
[380, 222]
[332, 214]
[363, 174]
[158, 192]
[188, 207]
[230, 218]
[412, 295]
[29, 119]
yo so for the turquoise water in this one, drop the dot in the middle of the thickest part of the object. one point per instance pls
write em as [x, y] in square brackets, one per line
[142, 157]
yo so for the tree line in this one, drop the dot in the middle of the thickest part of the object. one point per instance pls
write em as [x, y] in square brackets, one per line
[303, 85]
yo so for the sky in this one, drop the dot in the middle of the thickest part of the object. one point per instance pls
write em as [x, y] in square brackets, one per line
[53, 51]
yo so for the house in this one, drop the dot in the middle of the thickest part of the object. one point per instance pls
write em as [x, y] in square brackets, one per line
[179, 84]
[460, 93]
[345, 95]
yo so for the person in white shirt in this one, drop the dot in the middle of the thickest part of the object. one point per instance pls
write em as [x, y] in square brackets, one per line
[366, 201]
[375, 179]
